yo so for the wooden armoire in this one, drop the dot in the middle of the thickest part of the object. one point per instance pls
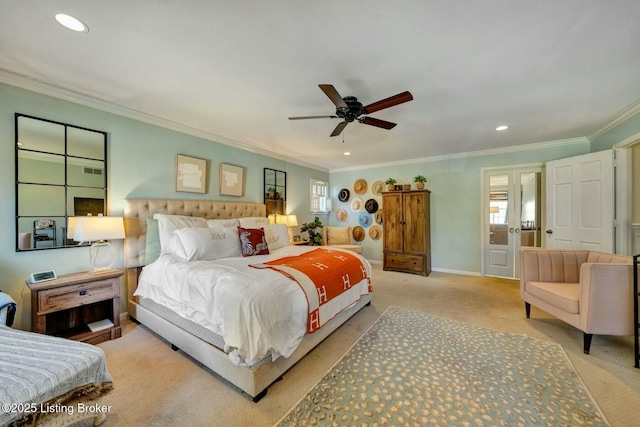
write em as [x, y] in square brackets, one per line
[407, 233]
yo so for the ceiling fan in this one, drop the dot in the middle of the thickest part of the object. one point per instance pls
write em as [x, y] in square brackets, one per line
[350, 109]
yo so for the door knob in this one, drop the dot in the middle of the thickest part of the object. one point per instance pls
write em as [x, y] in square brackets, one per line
[549, 231]
[511, 230]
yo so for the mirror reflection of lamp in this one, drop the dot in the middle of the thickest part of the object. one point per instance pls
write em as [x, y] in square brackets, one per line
[493, 210]
[98, 229]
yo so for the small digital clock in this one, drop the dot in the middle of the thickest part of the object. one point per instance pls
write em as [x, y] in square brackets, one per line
[42, 276]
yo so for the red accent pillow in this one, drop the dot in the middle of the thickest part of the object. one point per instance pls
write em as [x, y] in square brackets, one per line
[252, 241]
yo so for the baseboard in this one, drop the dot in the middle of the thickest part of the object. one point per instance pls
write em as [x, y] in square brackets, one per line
[439, 270]
[461, 272]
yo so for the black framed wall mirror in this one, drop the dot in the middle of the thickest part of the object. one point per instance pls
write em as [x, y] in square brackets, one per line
[61, 172]
[275, 191]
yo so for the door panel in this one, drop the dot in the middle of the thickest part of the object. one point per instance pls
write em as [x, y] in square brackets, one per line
[580, 202]
[414, 222]
[393, 229]
[499, 257]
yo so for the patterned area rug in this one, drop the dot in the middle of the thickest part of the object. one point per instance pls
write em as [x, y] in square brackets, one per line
[415, 369]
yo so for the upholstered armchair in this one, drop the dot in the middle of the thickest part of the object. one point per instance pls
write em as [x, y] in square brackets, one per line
[592, 291]
[339, 237]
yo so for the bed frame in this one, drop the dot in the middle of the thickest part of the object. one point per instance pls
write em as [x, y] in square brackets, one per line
[252, 380]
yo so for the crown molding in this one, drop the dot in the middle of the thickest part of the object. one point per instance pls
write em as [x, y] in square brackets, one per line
[616, 120]
[478, 153]
[45, 88]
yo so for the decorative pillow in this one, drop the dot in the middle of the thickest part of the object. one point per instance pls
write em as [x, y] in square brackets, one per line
[231, 222]
[338, 236]
[277, 236]
[204, 244]
[252, 241]
[167, 224]
[152, 244]
[253, 222]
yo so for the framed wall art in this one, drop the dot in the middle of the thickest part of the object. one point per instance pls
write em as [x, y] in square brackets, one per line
[231, 180]
[191, 174]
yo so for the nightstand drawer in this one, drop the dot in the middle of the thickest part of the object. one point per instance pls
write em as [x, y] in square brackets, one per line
[62, 298]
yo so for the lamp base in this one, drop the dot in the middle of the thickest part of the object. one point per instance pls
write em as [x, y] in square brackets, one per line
[101, 256]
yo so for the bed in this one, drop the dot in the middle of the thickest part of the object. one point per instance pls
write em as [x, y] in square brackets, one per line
[45, 379]
[195, 327]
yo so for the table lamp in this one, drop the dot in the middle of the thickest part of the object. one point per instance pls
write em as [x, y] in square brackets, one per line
[99, 229]
[289, 221]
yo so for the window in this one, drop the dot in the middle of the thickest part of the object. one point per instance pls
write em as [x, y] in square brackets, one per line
[320, 200]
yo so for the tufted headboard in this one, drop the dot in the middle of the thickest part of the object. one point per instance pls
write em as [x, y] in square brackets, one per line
[136, 212]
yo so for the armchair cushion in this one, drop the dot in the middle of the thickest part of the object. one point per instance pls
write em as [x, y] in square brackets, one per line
[339, 237]
[336, 235]
[564, 296]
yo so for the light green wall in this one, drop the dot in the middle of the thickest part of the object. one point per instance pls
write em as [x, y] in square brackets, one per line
[455, 186]
[627, 129]
[141, 164]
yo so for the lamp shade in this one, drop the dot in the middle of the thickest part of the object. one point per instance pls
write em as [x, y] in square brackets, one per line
[288, 220]
[292, 221]
[94, 228]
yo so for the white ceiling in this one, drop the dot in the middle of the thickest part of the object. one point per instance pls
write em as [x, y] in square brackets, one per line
[234, 71]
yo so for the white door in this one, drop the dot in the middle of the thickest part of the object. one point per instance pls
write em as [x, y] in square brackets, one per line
[500, 248]
[512, 199]
[580, 202]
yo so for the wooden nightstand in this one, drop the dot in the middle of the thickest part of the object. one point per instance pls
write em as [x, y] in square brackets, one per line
[65, 306]
[301, 242]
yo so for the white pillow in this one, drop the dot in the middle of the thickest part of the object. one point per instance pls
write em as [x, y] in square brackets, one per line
[231, 222]
[205, 244]
[253, 222]
[277, 236]
[167, 224]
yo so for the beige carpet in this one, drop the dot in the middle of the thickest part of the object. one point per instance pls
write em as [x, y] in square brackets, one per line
[155, 386]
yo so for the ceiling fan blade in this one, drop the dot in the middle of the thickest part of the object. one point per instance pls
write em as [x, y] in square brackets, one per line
[388, 102]
[334, 96]
[377, 122]
[312, 117]
[338, 130]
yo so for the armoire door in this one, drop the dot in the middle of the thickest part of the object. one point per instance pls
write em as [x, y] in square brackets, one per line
[393, 222]
[415, 220]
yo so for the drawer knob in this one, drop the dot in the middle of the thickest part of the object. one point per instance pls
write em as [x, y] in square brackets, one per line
[83, 293]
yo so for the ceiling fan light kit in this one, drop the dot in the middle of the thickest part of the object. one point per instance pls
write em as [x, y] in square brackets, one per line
[349, 109]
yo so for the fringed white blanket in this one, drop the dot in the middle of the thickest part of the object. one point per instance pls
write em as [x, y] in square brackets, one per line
[36, 369]
[331, 279]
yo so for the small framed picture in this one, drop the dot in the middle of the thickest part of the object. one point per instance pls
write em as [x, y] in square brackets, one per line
[231, 180]
[297, 238]
[191, 174]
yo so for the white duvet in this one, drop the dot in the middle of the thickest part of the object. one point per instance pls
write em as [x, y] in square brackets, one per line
[257, 312]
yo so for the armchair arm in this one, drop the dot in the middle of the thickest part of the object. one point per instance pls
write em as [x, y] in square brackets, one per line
[606, 298]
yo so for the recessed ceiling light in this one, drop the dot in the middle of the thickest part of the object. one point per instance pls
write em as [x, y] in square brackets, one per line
[347, 153]
[503, 127]
[72, 23]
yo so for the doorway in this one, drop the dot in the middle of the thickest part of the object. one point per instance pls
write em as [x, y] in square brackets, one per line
[512, 200]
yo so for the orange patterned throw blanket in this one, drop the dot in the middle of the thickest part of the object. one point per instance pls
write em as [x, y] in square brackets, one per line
[332, 280]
